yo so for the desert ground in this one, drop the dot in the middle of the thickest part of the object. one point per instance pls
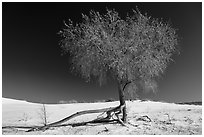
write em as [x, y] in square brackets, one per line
[144, 118]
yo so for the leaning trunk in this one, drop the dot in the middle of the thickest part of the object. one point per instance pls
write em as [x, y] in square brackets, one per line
[122, 101]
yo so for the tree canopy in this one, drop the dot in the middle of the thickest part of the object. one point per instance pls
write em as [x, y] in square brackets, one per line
[138, 47]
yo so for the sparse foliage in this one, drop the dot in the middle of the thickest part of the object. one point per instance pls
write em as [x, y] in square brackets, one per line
[138, 47]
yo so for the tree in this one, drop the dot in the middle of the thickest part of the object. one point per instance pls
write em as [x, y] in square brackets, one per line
[133, 50]
[136, 48]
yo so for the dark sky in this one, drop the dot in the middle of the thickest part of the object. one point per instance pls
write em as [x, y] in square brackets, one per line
[34, 70]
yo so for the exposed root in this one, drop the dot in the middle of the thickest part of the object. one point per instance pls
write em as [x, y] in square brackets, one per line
[145, 118]
[92, 122]
[112, 115]
[132, 124]
[110, 112]
[118, 117]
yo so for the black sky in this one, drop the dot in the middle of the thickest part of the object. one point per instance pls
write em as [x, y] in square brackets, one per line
[34, 70]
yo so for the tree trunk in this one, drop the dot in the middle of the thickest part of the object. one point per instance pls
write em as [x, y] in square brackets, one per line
[122, 101]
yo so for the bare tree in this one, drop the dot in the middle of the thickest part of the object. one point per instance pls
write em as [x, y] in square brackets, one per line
[137, 48]
[43, 115]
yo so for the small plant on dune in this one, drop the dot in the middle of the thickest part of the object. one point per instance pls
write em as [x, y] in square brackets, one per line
[25, 118]
[73, 101]
[43, 114]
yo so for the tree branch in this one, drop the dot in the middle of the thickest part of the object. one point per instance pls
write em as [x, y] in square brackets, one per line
[126, 84]
[109, 112]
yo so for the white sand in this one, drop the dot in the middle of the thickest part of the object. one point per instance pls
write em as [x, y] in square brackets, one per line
[166, 118]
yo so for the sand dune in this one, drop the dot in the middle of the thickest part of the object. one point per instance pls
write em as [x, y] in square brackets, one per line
[144, 117]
